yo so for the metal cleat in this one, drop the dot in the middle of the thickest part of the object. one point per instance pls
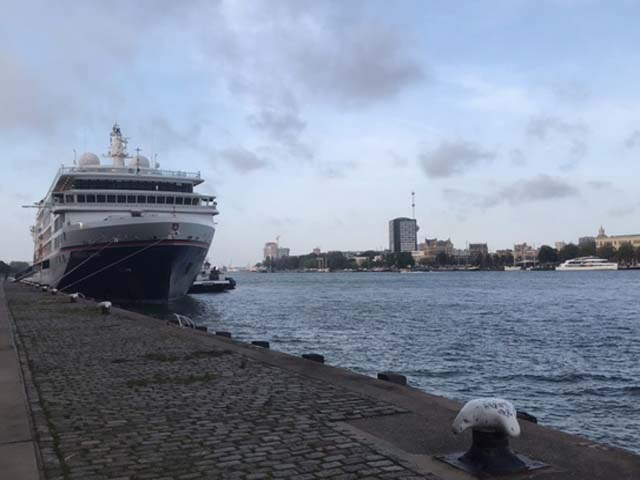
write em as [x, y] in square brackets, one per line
[105, 307]
[492, 421]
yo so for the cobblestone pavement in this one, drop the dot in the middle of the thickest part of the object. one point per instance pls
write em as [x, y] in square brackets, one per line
[116, 397]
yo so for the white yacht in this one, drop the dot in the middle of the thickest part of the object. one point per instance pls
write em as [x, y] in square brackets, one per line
[122, 231]
[587, 263]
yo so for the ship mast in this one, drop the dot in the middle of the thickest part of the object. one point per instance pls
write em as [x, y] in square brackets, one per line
[118, 149]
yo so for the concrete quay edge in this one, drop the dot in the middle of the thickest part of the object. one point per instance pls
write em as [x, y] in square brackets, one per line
[18, 452]
[414, 438]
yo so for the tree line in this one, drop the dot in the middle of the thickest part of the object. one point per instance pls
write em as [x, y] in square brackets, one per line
[12, 268]
[626, 254]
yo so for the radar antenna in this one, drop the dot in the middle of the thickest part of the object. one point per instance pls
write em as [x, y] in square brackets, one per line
[413, 205]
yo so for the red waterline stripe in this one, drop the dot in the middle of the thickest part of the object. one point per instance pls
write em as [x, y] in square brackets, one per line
[98, 246]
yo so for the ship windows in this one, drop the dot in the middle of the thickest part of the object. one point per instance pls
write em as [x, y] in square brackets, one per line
[102, 184]
[132, 199]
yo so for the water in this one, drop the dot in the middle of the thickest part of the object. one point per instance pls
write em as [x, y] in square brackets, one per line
[563, 346]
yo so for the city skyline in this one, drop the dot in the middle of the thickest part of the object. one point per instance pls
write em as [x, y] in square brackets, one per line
[317, 125]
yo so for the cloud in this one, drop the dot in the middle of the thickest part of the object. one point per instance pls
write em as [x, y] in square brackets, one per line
[282, 124]
[624, 211]
[356, 64]
[571, 93]
[336, 170]
[452, 158]
[633, 140]
[242, 160]
[571, 135]
[543, 126]
[541, 187]
[397, 160]
[600, 184]
[534, 189]
[26, 103]
[518, 158]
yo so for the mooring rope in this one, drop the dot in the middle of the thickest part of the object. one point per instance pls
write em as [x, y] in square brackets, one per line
[87, 259]
[113, 264]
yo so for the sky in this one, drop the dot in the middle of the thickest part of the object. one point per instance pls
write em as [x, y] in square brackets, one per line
[314, 121]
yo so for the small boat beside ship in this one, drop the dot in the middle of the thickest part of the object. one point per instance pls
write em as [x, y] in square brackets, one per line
[586, 263]
[210, 280]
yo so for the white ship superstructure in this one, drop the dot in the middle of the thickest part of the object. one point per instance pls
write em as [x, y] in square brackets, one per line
[587, 263]
[126, 230]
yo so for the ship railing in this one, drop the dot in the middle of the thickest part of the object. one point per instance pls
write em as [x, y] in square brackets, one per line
[131, 171]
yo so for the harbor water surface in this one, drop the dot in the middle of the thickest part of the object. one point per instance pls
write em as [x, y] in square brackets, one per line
[563, 346]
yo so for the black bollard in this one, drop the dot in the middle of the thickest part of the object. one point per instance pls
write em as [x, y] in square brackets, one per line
[314, 357]
[392, 377]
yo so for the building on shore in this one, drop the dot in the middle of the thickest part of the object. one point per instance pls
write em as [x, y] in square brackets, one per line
[432, 247]
[585, 241]
[478, 250]
[270, 250]
[524, 254]
[560, 245]
[403, 235]
[615, 241]
[273, 251]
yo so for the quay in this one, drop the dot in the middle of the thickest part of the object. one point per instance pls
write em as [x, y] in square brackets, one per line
[88, 395]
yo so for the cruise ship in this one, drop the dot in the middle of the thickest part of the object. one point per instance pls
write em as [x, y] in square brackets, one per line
[123, 229]
[587, 263]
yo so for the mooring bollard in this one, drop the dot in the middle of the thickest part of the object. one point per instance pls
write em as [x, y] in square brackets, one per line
[260, 343]
[44, 288]
[202, 328]
[54, 291]
[314, 357]
[492, 421]
[392, 377]
[105, 307]
[223, 334]
[74, 297]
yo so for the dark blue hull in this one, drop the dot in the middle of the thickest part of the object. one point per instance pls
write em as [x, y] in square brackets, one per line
[132, 273]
